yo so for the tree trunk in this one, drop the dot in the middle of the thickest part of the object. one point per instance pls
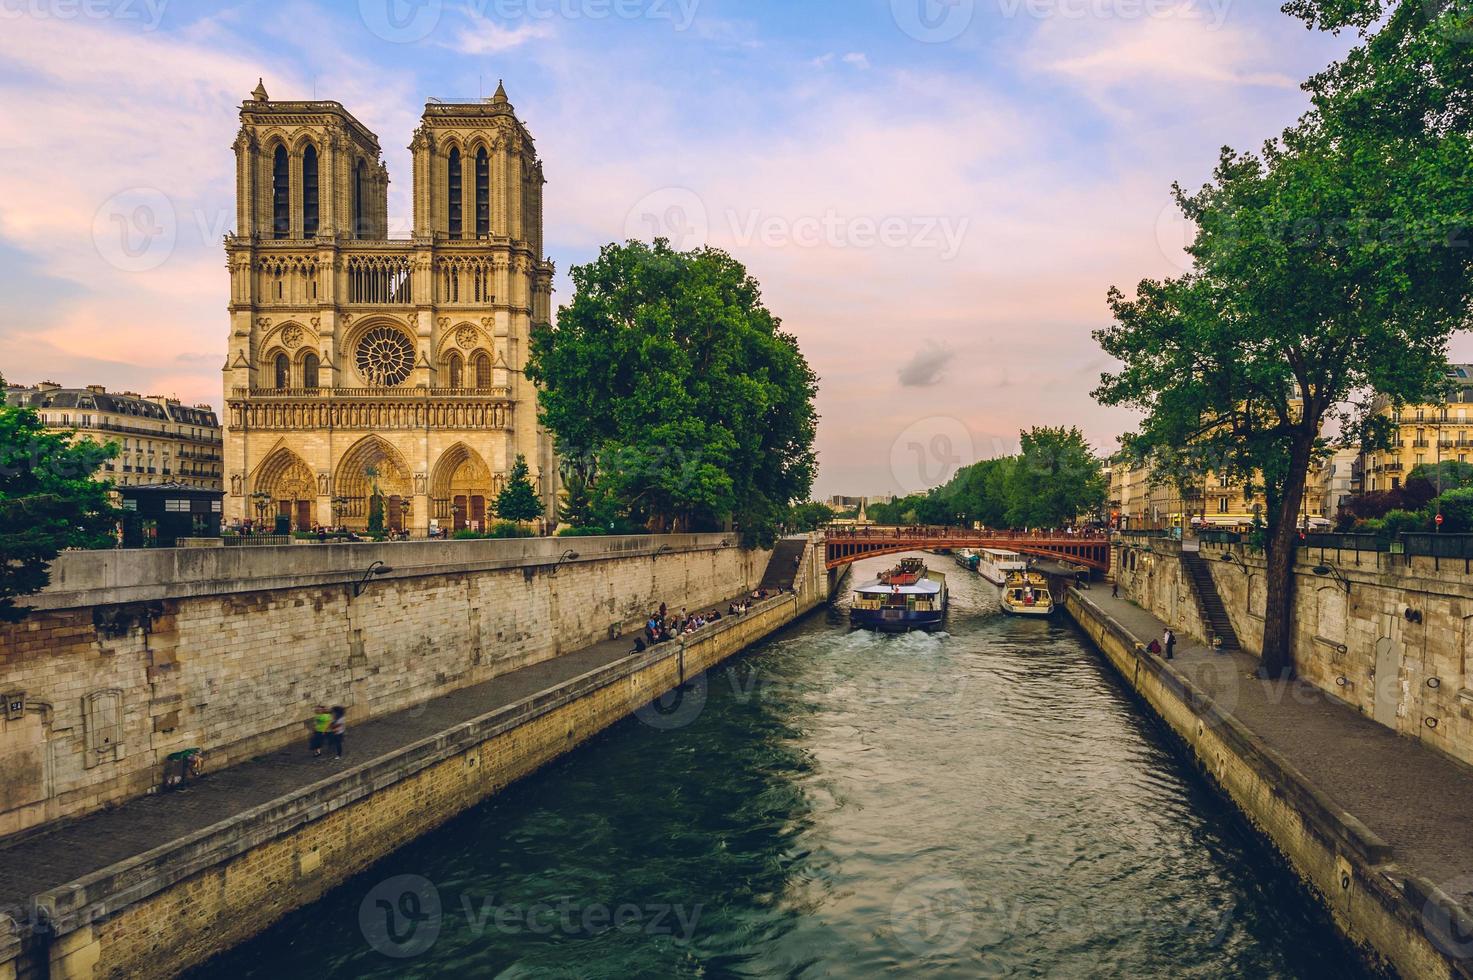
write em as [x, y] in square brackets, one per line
[1282, 545]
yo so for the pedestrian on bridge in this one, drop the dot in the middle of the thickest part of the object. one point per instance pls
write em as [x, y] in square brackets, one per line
[1168, 640]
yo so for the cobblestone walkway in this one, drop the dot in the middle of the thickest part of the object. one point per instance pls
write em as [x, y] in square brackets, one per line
[1415, 800]
[36, 864]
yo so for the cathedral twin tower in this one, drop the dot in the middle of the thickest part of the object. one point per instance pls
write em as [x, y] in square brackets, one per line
[358, 361]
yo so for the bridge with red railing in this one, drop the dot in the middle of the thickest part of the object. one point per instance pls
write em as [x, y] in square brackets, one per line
[844, 546]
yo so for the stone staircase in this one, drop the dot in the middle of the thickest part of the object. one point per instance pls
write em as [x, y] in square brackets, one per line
[782, 567]
[1209, 603]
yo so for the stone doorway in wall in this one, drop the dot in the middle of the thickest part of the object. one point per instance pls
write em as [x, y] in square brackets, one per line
[1388, 681]
[461, 485]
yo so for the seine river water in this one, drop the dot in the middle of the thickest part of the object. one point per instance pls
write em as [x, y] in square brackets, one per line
[988, 802]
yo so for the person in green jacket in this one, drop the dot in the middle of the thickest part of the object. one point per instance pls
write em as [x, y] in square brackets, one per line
[318, 725]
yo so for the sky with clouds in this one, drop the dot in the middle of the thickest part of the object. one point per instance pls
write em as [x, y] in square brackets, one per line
[935, 194]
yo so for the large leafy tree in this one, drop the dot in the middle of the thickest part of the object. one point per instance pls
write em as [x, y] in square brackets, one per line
[1328, 267]
[676, 393]
[48, 502]
[1056, 479]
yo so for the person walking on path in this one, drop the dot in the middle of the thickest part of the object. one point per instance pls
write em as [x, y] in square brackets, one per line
[318, 725]
[337, 727]
[1115, 589]
[1168, 640]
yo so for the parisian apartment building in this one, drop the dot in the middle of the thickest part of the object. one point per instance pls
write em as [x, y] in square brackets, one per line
[162, 440]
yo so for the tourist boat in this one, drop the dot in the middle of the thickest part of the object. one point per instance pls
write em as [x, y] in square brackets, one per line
[996, 564]
[967, 558]
[1027, 594]
[907, 597]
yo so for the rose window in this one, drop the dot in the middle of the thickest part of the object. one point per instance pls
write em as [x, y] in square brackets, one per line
[385, 357]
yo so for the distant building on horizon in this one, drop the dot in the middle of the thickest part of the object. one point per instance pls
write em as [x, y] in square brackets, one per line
[163, 440]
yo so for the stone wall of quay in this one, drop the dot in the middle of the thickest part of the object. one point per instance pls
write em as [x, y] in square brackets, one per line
[1412, 673]
[175, 906]
[1335, 853]
[133, 655]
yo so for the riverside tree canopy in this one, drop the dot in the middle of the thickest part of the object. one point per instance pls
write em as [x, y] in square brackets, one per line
[1332, 265]
[675, 394]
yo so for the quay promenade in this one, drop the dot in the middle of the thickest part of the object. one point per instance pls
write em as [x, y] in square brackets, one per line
[1366, 791]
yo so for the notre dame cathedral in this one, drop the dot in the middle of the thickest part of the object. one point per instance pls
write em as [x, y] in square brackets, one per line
[357, 360]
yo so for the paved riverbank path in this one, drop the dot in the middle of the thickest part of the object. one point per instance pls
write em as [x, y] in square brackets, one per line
[39, 862]
[1415, 800]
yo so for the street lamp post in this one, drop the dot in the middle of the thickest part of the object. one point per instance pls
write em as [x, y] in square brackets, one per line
[361, 585]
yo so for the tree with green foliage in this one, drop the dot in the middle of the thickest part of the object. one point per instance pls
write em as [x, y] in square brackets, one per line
[1450, 474]
[577, 507]
[674, 391]
[809, 517]
[1456, 508]
[931, 508]
[49, 502]
[1324, 270]
[1057, 480]
[518, 499]
[376, 513]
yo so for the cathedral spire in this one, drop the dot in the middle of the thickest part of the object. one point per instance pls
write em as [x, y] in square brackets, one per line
[500, 97]
[260, 91]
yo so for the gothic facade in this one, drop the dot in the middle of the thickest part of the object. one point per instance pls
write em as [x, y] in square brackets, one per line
[358, 361]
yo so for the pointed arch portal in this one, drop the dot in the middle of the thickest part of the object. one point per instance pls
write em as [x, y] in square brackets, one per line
[371, 462]
[287, 479]
[461, 488]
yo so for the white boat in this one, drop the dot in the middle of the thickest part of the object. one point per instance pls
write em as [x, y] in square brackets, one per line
[1027, 594]
[995, 564]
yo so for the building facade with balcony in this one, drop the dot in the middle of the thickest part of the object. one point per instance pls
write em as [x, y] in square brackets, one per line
[161, 440]
[1425, 434]
[359, 362]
